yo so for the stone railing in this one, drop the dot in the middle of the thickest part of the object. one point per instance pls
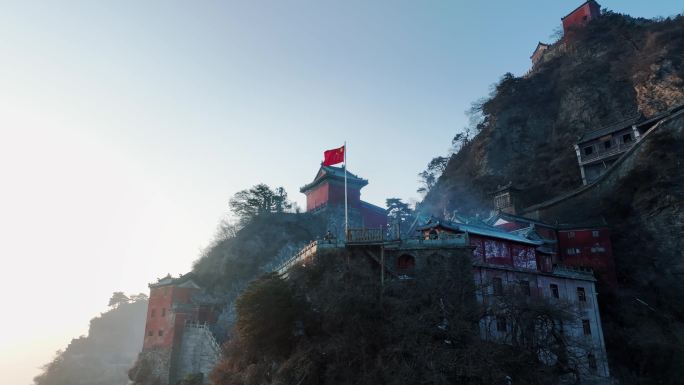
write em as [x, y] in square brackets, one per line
[209, 333]
[302, 255]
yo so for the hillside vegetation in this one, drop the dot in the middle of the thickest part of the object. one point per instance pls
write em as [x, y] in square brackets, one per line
[614, 68]
[103, 356]
[332, 322]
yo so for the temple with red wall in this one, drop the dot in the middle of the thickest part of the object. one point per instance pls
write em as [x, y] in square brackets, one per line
[170, 306]
[580, 16]
[327, 191]
[570, 245]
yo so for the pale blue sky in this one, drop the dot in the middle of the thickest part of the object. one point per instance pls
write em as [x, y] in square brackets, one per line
[127, 125]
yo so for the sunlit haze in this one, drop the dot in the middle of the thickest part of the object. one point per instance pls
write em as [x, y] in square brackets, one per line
[127, 126]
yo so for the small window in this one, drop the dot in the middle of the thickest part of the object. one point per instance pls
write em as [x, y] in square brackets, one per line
[586, 327]
[150, 333]
[153, 312]
[554, 291]
[598, 249]
[501, 323]
[163, 312]
[595, 234]
[571, 251]
[161, 333]
[497, 285]
[591, 360]
[571, 234]
[607, 144]
[525, 287]
[433, 234]
[581, 294]
[588, 150]
[627, 138]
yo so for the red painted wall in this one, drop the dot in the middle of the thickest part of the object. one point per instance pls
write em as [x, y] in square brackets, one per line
[581, 16]
[588, 248]
[332, 192]
[372, 218]
[161, 318]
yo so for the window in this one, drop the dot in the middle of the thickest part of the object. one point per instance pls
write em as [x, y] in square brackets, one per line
[571, 234]
[586, 327]
[588, 150]
[501, 323]
[573, 251]
[153, 312]
[598, 249]
[525, 287]
[591, 360]
[595, 234]
[554, 290]
[497, 285]
[161, 333]
[581, 294]
[626, 138]
[163, 312]
[150, 333]
[607, 144]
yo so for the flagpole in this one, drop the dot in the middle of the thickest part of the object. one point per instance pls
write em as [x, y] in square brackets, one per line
[346, 216]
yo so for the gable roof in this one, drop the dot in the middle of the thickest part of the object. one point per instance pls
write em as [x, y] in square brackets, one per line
[539, 45]
[517, 218]
[606, 130]
[185, 281]
[479, 229]
[334, 173]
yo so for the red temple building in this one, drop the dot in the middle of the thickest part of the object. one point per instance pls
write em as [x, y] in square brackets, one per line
[327, 191]
[580, 16]
[178, 337]
[504, 259]
[569, 245]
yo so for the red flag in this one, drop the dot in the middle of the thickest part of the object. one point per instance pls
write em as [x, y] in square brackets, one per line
[333, 156]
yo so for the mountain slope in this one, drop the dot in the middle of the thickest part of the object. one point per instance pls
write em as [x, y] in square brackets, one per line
[613, 69]
[104, 356]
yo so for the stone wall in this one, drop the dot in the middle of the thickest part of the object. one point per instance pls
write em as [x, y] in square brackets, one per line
[151, 367]
[199, 353]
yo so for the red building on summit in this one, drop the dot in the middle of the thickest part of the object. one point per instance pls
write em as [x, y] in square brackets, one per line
[327, 191]
[581, 16]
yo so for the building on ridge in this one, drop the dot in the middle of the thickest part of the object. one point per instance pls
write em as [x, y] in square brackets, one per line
[580, 16]
[178, 340]
[326, 192]
[538, 53]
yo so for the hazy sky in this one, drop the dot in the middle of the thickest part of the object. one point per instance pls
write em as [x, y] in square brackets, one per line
[127, 125]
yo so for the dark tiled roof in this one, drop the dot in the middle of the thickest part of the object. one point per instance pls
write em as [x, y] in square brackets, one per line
[170, 281]
[329, 172]
[591, 135]
[484, 230]
[540, 44]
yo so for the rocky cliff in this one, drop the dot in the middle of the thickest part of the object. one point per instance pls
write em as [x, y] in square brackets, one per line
[613, 69]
